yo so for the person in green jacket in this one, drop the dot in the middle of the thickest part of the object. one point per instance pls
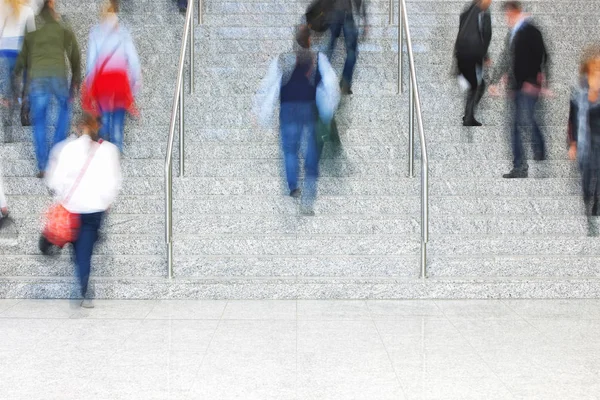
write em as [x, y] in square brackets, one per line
[43, 59]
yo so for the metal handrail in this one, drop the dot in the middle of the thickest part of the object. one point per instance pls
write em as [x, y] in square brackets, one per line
[178, 106]
[414, 111]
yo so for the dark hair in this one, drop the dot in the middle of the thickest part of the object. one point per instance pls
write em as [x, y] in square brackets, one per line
[303, 36]
[512, 6]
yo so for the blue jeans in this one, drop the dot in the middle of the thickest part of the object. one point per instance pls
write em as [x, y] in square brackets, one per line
[8, 61]
[298, 121]
[84, 247]
[113, 123]
[344, 21]
[41, 92]
[524, 114]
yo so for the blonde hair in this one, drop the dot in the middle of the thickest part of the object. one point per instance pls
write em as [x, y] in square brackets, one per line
[590, 55]
[15, 5]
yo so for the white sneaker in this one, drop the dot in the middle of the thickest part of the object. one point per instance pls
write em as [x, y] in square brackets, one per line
[87, 303]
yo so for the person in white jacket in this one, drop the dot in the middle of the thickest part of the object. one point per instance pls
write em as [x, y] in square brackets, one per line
[306, 86]
[86, 180]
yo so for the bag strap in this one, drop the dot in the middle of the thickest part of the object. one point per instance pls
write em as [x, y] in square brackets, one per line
[81, 173]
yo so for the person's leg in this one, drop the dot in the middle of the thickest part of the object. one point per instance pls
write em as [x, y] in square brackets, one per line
[63, 123]
[537, 139]
[117, 127]
[311, 159]
[351, 39]
[106, 124]
[290, 143]
[39, 98]
[84, 248]
[519, 164]
[182, 4]
[335, 29]
[467, 68]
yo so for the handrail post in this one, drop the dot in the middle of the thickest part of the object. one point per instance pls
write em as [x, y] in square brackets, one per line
[411, 130]
[181, 131]
[400, 88]
[415, 105]
[192, 49]
[169, 222]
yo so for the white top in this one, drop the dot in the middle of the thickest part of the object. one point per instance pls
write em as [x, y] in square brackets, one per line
[3, 202]
[99, 186]
[14, 28]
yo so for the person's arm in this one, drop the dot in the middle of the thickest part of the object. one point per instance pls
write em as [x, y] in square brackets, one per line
[92, 54]
[545, 67]
[21, 63]
[74, 56]
[30, 25]
[572, 129]
[361, 8]
[486, 32]
[133, 61]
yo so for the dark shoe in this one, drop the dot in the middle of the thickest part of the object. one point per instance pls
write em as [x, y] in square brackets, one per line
[539, 157]
[345, 87]
[182, 10]
[44, 245]
[295, 193]
[516, 173]
[595, 209]
[472, 122]
[40, 175]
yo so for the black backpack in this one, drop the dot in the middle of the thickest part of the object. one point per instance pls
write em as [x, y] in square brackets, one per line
[317, 15]
[469, 42]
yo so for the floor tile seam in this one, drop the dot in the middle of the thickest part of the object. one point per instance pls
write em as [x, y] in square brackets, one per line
[17, 302]
[196, 374]
[400, 384]
[490, 369]
[155, 303]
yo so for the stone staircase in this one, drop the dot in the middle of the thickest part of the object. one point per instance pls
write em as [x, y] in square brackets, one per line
[236, 233]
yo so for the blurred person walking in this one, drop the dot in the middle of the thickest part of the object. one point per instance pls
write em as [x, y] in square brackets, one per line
[307, 88]
[113, 75]
[16, 19]
[524, 63]
[471, 52]
[341, 18]
[86, 180]
[3, 201]
[584, 128]
[43, 58]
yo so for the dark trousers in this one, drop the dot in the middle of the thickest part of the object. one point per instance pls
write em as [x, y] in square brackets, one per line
[468, 68]
[342, 20]
[524, 115]
[182, 3]
[84, 247]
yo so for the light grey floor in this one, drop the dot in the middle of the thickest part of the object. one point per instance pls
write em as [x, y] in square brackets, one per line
[300, 350]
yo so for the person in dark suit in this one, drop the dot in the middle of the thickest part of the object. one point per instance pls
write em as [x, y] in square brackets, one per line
[525, 63]
[341, 18]
[471, 52]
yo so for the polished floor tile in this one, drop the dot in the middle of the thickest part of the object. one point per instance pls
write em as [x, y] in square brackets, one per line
[333, 310]
[188, 309]
[260, 309]
[301, 350]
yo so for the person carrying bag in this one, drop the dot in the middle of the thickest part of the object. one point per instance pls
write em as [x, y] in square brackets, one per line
[86, 178]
